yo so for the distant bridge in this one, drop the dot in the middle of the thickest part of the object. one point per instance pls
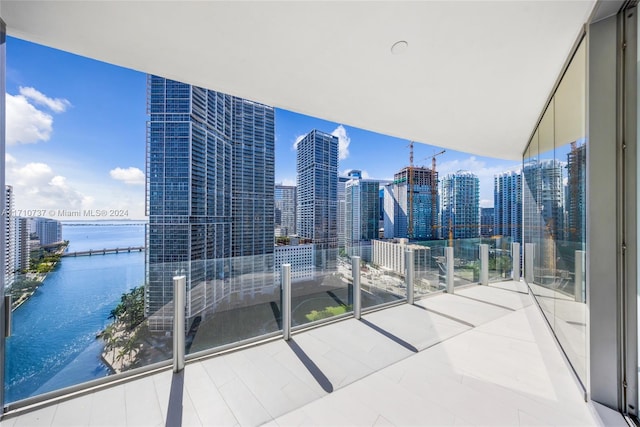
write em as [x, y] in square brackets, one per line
[105, 251]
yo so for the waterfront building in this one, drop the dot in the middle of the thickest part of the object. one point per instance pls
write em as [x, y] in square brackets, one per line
[9, 236]
[317, 167]
[210, 197]
[507, 202]
[49, 231]
[301, 258]
[362, 214]
[22, 248]
[422, 193]
[461, 205]
[487, 218]
[285, 210]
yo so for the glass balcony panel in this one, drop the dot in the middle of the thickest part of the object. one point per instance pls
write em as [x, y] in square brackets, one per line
[570, 243]
[80, 318]
[500, 258]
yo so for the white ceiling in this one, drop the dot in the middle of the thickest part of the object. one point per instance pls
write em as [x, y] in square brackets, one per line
[475, 75]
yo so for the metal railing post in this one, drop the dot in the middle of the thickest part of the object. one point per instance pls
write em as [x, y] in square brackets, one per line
[578, 286]
[515, 256]
[484, 264]
[285, 279]
[409, 277]
[448, 252]
[357, 300]
[529, 249]
[179, 290]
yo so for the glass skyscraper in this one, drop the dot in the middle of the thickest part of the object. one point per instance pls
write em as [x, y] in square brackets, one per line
[507, 202]
[210, 197]
[362, 213]
[461, 205]
[418, 195]
[317, 167]
[285, 210]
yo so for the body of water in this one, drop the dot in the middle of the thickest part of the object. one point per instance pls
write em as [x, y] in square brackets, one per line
[53, 343]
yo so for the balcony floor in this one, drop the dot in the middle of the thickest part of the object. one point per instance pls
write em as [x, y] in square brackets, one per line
[483, 356]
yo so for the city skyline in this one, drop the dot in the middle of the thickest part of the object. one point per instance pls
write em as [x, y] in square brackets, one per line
[64, 152]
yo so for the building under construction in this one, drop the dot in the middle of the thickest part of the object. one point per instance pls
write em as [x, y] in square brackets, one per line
[412, 205]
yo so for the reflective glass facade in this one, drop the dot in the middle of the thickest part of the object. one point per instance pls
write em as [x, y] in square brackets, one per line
[210, 186]
[507, 202]
[554, 213]
[317, 167]
[460, 206]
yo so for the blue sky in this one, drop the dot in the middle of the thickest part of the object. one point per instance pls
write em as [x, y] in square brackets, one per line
[76, 137]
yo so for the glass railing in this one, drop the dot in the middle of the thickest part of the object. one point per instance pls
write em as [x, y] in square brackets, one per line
[79, 319]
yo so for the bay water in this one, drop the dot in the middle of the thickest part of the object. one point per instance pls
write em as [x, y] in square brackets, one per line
[53, 343]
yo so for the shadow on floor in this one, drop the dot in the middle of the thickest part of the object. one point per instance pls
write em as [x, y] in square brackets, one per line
[313, 369]
[389, 335]
[174, 410]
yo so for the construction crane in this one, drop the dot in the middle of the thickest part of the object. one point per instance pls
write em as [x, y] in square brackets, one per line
[434, 193]
[410, 193]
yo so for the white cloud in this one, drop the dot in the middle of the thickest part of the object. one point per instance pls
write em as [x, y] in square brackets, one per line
[130, 175]
[37, 186]
[57, 105]
[289, 181]
[25, 123]
[484, 203]
[343, 142]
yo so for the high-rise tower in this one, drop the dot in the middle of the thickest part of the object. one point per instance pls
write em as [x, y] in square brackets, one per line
[425, 219]
[362, 215]
[507, 202]
[461, 205]
[210, 197]
[317, 167]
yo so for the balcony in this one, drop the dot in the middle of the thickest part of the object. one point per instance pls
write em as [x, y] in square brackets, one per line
[483, 355]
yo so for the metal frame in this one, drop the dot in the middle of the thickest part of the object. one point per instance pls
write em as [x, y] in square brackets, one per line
[5, 311]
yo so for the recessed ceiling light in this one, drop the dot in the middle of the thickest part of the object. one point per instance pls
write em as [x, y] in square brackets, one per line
[399, 47]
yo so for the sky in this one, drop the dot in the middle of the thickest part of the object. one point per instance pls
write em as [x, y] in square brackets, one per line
[76, 139]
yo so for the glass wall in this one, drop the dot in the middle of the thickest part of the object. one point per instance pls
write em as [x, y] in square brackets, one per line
[554, 209]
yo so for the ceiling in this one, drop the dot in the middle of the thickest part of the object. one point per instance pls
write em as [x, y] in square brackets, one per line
[473, 77]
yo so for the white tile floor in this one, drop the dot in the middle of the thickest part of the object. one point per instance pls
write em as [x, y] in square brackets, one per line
[400, 366]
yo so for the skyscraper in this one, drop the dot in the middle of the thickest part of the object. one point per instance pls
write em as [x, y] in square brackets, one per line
[461, 205]
[317, 167]
[210, 197]
[362, 214]
[576, 194]
[421, 192]
[342, 211]
[487, 219]
[48, 230]
[507, 201]
[544, 182]
[22, 243]
[9, 236]
[285, 210]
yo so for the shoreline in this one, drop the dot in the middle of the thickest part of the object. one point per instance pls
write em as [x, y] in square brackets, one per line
[38, 278]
